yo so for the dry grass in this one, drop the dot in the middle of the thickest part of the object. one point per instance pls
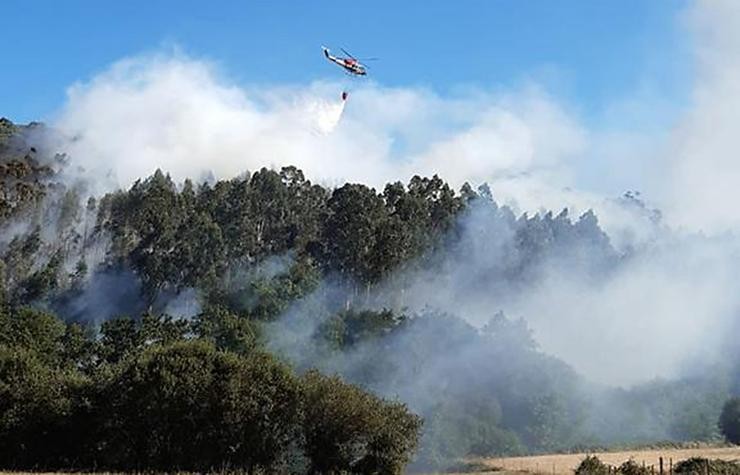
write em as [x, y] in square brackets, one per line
[561, 464]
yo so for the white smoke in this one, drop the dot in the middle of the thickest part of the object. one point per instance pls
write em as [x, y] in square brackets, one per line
[666, 310]
[179, 114]
[327, 114]
[702, 170]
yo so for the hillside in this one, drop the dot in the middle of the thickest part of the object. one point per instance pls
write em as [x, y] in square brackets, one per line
[199, 306]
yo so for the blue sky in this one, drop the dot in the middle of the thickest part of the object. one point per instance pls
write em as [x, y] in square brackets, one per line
[590, 53]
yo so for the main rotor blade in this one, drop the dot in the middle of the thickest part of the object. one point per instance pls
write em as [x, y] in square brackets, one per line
[347, 53]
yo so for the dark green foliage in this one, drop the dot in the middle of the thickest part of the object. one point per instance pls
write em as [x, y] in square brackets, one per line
[37, 403]
[266, 214]
[187, 406]
[265, 292]
[351, 327]
[214, 238]
[591, 465]
[118, 338]
[703, 466]
[351, 233]
[348, 430]
[187, 238]
[44, 281]
[729, 420]
[157, 394]
[200, 255]
[79, 349]
[124, 336]
[33, 330]
[367, 235]
[227, 330]
[163, 393]
[630, 467]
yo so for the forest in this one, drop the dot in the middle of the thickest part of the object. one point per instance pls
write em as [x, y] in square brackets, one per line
[268, 323]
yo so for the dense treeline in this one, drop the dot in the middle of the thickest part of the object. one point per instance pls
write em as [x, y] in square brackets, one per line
[183, 236]
[229, 282]
[162, 394]
[174, 239]
[208, 237]
[212, 236]
[180, 238]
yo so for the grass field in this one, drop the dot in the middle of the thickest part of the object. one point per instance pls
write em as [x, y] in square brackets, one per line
[560, 464]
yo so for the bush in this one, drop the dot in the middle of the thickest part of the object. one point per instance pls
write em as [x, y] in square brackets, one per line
[630, 467]
[729, 420]
[36, 405]
[33, 330]
[349, 430]
[699, 465]
[591, 465]
[189, 406]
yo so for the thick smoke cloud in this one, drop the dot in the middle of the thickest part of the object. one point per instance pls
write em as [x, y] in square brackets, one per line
[180, 114]
[702, 171]
[177, 113]
[618, 318]
[667, 302]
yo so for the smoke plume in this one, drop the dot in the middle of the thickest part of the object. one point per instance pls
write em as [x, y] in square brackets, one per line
[667, 301]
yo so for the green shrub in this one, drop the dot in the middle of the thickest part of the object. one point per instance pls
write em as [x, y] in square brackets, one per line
[701, 466]
[37, 404]
[189, 406]
[349, 430]
[630, 467]
[591, 465]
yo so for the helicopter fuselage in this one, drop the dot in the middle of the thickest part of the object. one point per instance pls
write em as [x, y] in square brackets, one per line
[350, 65]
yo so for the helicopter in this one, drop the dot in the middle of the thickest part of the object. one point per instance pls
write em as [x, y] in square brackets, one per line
[350, 64]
